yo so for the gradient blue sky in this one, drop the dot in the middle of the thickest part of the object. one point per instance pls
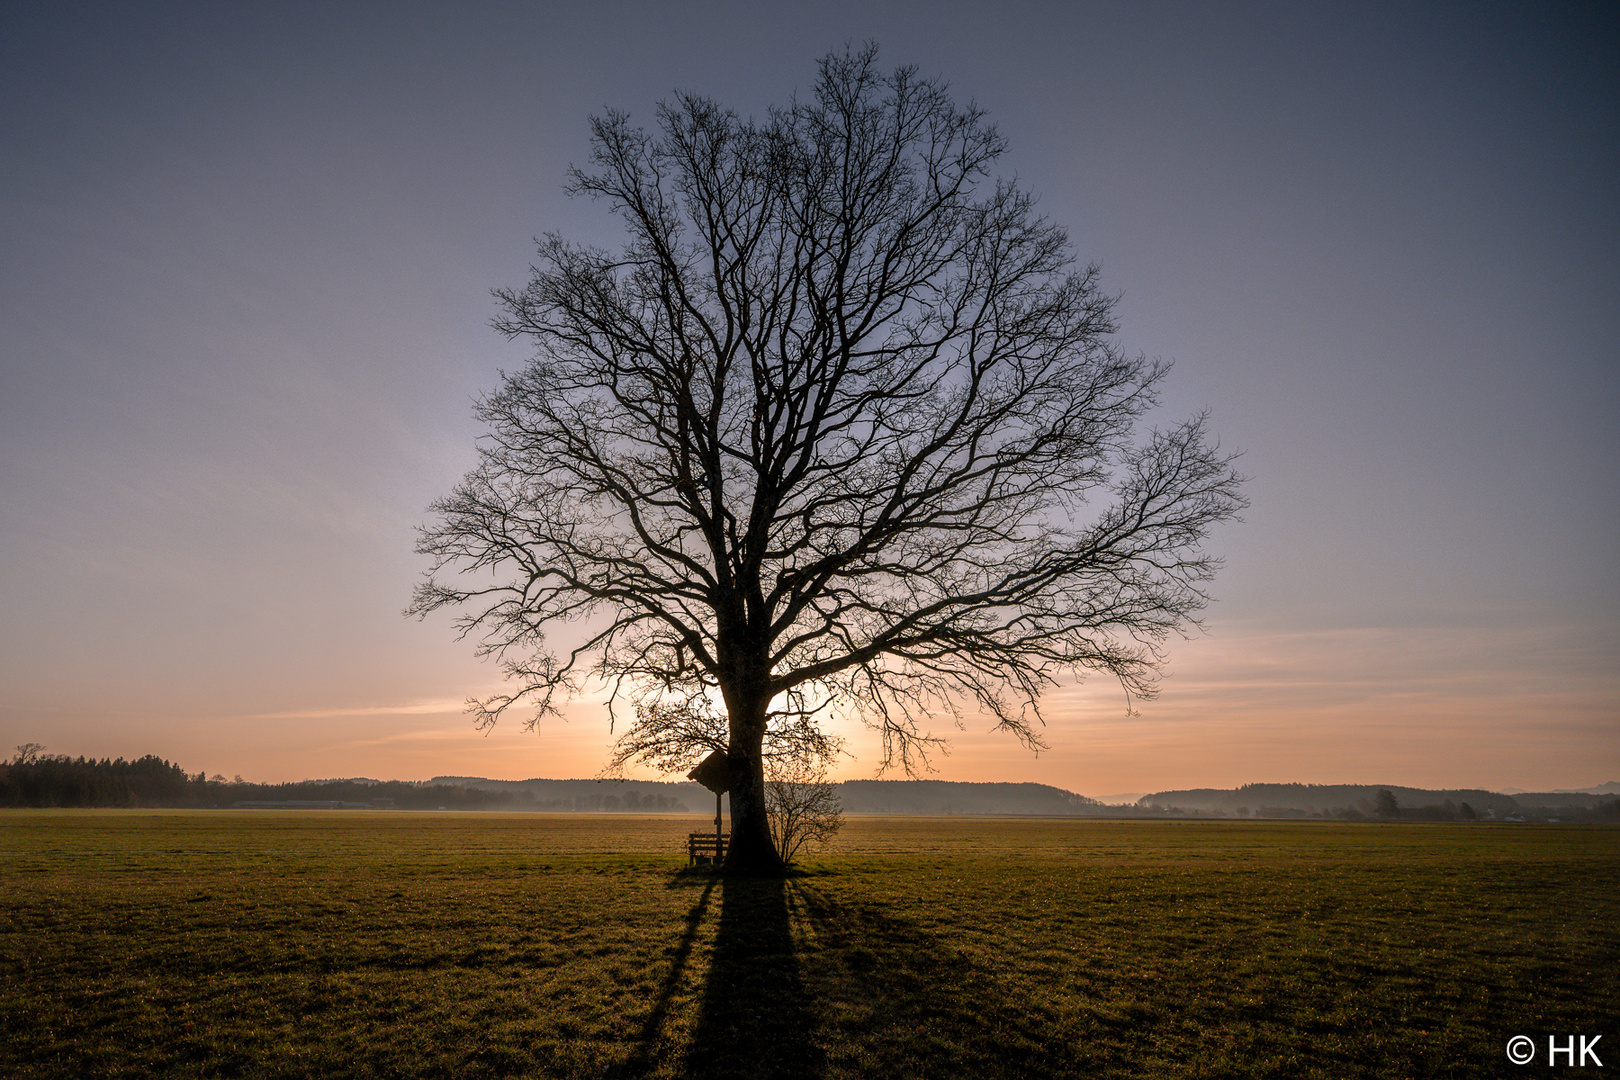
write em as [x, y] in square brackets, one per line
[244, 301]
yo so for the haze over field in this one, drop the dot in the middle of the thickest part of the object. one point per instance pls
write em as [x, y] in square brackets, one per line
[245, 304]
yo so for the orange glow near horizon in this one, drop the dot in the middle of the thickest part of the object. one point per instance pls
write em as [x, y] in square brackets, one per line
[1440, 708]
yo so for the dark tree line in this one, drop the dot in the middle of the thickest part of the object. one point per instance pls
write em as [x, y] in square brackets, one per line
[33, 779]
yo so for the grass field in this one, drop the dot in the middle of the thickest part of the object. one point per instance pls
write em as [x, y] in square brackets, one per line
[283, 943]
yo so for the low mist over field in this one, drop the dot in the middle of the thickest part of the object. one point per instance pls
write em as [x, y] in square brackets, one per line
[41, 780]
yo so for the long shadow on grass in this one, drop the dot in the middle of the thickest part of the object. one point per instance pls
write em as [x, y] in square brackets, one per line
[647, 1047]
[758, 1021]
[907, 1000]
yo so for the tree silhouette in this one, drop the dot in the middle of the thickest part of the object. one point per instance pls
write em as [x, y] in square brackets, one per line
[803, 807]
[842, 427]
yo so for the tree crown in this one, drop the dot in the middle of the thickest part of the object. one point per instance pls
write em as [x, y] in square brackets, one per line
[842, 425]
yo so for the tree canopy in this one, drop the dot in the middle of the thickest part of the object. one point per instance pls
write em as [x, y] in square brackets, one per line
[842, 426]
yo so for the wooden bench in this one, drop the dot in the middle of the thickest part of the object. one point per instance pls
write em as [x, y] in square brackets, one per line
[706, 846]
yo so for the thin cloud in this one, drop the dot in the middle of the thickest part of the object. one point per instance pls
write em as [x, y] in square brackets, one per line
[436, 707]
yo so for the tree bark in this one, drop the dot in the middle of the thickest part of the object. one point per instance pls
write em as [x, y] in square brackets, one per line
[751, 851]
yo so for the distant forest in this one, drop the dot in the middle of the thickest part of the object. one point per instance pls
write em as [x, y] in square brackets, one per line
[35, 779]
[32, 779]
[1357, 802]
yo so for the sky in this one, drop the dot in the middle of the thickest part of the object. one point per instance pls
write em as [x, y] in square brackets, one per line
[246, 255]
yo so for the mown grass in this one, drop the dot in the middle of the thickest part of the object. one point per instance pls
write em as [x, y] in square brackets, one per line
[277, 943]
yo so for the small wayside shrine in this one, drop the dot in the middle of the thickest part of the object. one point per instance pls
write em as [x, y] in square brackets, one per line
[706, 849]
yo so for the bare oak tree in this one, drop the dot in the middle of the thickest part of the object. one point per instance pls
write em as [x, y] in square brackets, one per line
[842, 427]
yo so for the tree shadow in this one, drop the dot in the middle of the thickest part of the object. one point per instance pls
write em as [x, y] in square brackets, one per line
[805, 979]
[758, 1020]
[895, 996]
[647, 1050]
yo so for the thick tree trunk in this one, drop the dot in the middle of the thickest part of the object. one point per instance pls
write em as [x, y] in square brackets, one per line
[752, 851]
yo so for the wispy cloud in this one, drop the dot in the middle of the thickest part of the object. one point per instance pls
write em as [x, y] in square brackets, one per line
[1532, 672]
[432, 707]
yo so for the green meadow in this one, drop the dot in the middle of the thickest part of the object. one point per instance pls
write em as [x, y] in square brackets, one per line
[357, 943]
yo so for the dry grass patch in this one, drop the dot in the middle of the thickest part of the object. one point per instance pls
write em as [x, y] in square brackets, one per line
[289, 944]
